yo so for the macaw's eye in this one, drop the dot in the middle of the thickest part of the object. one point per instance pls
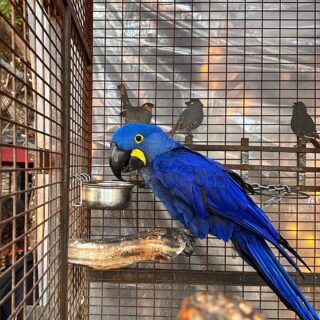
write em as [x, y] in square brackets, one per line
[138, 138]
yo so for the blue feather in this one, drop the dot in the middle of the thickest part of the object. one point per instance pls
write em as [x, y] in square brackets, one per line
[225, 197]
[258, 254]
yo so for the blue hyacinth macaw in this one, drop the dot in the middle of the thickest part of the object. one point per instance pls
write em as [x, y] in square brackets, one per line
[208, 198]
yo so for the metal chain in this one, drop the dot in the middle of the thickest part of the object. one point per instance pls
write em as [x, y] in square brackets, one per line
[284, 191]
[271, 187]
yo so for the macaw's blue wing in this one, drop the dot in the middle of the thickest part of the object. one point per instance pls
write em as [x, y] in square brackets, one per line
[216, 196]
[209, 188]
[212, 199]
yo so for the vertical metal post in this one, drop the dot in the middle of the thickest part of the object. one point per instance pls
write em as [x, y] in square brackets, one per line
[245, 159]
[65, 163]
[301, 164]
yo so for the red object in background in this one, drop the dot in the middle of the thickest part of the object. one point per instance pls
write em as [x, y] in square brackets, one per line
[22, 157]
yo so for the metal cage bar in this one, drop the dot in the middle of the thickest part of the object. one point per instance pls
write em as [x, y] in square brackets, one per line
[44, 90]
[60, 64]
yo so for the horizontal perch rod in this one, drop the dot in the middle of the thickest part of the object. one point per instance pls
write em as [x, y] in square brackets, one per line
[222, 147]
[157, 245]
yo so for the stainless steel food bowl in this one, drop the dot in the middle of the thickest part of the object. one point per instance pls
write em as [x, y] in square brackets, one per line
[106, 194]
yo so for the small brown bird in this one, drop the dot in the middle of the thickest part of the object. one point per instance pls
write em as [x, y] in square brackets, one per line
[303, 125]
[141, 114]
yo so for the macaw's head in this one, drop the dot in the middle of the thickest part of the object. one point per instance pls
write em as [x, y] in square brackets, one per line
[135, 145]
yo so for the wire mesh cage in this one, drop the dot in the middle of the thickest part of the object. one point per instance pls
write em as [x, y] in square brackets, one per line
[39, 45]
[60, 66]
[31, 151]
[247, 61]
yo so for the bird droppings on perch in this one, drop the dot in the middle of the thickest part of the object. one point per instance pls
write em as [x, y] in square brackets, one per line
[157, 245]
[216, 306]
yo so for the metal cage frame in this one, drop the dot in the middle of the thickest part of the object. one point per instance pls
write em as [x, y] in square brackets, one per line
[59, 63]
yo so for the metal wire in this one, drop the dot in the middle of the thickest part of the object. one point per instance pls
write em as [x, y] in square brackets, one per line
[80, 141]
[31, 190]
[31, 135]
[247, 61]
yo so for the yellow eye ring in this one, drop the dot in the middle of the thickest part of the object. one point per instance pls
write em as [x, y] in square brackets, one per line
[138, 138]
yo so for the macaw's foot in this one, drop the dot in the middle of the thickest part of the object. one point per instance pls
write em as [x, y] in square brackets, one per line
[122, 89]
[189, 139]
[189, 240]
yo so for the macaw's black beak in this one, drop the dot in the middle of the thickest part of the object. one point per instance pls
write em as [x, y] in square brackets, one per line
[122, 161]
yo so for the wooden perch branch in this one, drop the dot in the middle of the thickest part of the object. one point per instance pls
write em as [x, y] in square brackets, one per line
[157, 245]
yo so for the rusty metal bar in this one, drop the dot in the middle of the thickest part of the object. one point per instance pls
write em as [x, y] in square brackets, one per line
[218, 147]
[191, 277]
[301, 163]
[65, 163]
[81, 36]
[307, 188]
[271, 168]
[79, 31]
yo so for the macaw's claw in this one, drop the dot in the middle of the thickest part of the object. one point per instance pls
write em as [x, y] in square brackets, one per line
[190, 241]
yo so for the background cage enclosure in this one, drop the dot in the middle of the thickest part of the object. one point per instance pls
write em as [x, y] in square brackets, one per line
[60, 64]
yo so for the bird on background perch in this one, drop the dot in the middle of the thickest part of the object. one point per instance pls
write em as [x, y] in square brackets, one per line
[208, 198]
[190, 118]
[303, 125]
[141, 114]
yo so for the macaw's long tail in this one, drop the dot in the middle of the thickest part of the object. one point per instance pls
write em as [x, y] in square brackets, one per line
[256, 252]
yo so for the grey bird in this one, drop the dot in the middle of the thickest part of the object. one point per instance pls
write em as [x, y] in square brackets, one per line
[190, 118]
[303, 125]
[141, 114]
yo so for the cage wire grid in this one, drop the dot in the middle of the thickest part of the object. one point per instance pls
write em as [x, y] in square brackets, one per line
[41, 41]
[80, 154]
[247, 61]
[30, 112]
